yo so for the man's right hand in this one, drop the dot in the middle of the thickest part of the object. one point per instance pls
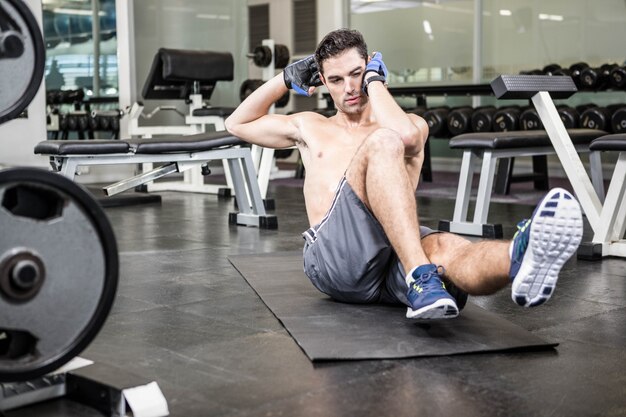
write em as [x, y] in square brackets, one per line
[302, 75]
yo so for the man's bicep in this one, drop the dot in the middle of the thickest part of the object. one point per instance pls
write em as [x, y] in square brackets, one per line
[270, 131]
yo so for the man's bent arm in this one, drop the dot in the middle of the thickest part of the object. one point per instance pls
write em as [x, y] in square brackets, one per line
[390, 115]
[251, 122]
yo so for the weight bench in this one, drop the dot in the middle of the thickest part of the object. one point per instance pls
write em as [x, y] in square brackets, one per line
[491, 147]
[606, 218]
[174, 154]
[608, 238]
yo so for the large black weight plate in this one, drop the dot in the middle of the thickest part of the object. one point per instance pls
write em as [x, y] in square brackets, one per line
[248, 87]
[20, 77]
[281, 56]
[56, 225]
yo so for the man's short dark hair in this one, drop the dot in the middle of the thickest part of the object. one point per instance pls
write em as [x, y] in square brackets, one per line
[338, 41]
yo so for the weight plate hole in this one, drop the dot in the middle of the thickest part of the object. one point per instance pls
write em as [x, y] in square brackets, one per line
[16, 344]
[33, 202]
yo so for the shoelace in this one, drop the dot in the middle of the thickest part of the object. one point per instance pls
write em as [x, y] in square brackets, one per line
[521, 244]
[424, 279]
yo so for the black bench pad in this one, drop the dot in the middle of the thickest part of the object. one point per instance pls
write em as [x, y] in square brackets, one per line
[214, 111]
[177, 144]
[519, 139]
[616, 142]
[81, 147]
[192, 143]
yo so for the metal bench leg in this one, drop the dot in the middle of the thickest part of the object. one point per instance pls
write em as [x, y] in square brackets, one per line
[463, 192]
[595, 163]
[248, 195]
[69, 168]
[540, 170]
[483, 198]
[503, 177]
[612, 219]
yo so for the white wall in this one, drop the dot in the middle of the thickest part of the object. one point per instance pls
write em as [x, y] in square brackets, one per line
[18, 137]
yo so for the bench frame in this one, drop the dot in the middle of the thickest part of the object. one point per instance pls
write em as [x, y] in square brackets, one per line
[479, 226]
[606, 216]
[239, 161]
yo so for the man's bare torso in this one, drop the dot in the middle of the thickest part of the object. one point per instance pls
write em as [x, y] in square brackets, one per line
[327, 147]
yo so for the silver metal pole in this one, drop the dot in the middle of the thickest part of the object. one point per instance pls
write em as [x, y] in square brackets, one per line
[477, 49]
[95, 31]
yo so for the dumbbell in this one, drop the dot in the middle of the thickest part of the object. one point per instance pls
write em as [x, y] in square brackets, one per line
[550, 69]
[596, 78]
[262, 56]
[569, 116]
[617, 78]
[575, 70]
[104, 123]
[419, 110]
[529, 120]
[482, 119]
[506, 119]
[596, 118]
[93, 122]
[460, 120]
[83, 122]
[72, 96]
[63, 125]
[532, 72]
[72, 122]
[618, 120]
[115, 124]
[249, 86]
[437, 121]
[53, 97]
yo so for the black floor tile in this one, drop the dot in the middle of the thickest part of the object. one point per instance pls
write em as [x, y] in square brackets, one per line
[185, 318]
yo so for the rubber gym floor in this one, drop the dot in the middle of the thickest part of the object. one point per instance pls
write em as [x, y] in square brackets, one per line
[185, 318]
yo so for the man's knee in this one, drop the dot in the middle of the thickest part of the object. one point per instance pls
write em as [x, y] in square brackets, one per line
[385, 141]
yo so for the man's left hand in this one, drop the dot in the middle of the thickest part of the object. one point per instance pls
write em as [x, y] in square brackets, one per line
[376, 65]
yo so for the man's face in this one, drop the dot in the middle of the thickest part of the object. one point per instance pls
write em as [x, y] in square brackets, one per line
[343, 76]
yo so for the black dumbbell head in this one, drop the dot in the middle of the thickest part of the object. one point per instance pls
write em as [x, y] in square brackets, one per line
[596, 118]
[437, 121]
[482, 119]
[459, 120]
[506, 119]
[569, 117]
[529, 120]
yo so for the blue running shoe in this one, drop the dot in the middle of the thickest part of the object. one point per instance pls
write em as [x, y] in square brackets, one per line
[542, 245]
[428, 296]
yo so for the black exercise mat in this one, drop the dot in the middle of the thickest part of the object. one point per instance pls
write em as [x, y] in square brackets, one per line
[329, 330]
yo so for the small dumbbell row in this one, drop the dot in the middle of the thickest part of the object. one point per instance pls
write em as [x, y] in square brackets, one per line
[446, 122]
[81, 122]
[586, 77]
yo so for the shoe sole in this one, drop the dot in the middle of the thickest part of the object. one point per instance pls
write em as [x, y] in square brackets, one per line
[443, 308]
[555, 233]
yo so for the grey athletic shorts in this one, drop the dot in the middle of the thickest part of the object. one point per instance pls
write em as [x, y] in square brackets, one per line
[348, 256]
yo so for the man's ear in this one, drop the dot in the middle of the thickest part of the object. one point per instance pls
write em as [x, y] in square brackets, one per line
[322, 78]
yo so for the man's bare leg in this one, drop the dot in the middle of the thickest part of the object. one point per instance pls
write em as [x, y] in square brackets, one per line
[464, 262]
[531, 262]
[379, 175]
[385, 181]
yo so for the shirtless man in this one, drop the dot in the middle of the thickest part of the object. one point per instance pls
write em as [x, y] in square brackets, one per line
[365, 244]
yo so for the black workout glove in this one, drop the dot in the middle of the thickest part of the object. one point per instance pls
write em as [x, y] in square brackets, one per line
[301, 75]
